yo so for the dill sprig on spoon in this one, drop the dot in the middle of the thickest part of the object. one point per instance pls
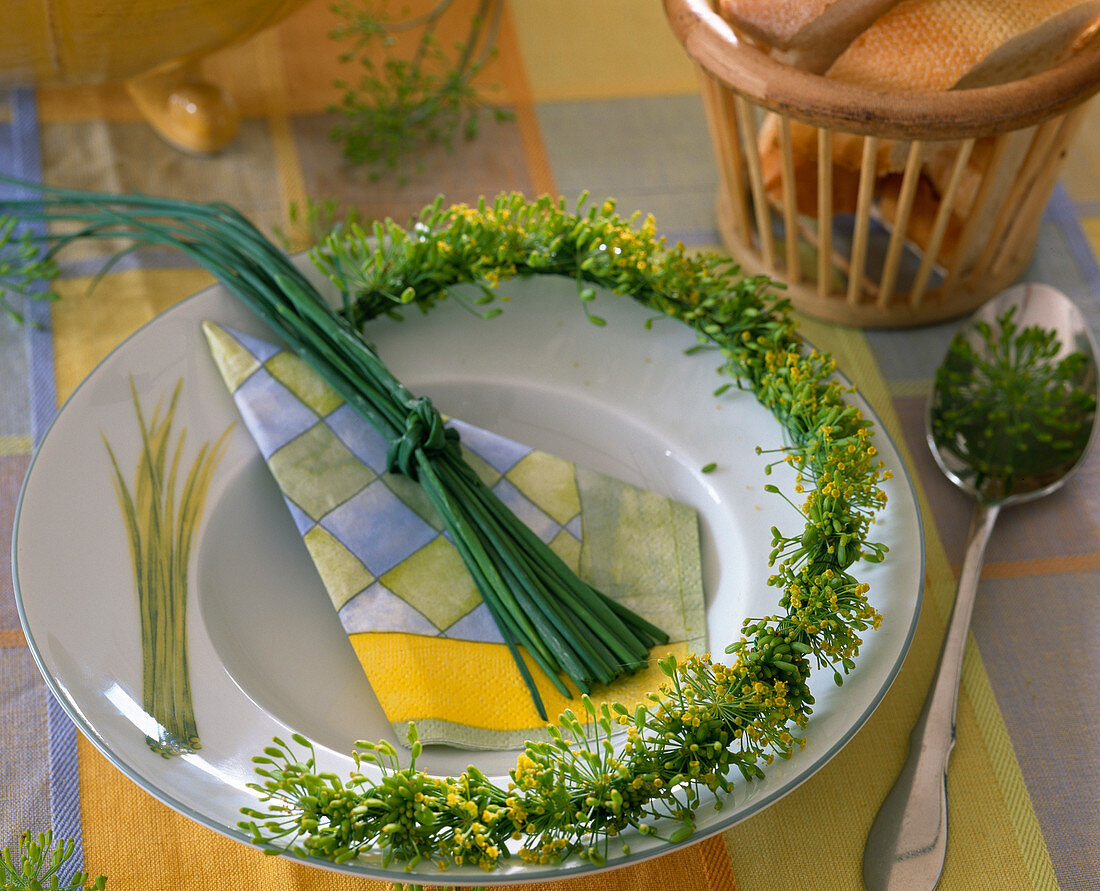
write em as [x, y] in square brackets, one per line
[1009, 400]
[564, 624]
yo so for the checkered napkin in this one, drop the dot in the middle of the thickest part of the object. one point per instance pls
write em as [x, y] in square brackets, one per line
[415, 619]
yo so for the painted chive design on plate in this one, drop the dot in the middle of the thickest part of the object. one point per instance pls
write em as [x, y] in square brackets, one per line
[161, 531]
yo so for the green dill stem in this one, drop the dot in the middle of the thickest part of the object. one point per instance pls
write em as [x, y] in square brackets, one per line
[401, 104]
[39, 866]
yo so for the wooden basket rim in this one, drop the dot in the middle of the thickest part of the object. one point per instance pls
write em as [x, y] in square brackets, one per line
[817, 100]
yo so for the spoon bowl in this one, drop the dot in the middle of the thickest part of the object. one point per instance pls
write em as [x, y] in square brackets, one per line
[1011, 417]
[985, 376]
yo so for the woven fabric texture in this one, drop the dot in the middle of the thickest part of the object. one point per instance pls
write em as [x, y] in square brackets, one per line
[603, 99]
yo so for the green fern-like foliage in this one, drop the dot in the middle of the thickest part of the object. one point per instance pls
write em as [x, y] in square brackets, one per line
[37, 865]
[403, 102]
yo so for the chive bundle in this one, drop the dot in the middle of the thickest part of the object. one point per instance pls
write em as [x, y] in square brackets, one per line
[566, 626]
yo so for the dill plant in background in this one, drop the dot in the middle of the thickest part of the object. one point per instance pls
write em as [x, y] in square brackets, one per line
[24, 275]
[409, 98]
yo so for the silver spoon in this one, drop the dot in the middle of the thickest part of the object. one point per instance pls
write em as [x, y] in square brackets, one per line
[1000, 461]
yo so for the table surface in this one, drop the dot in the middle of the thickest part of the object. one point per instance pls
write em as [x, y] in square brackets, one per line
[588, 113]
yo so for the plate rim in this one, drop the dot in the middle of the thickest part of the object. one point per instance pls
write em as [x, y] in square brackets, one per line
[509, 872]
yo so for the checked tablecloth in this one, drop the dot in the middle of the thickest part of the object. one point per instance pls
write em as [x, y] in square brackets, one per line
[603, 100]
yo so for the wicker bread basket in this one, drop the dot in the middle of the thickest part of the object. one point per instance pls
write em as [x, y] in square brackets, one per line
[889, 251]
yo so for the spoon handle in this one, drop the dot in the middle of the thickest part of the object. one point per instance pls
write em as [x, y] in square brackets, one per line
[908, 840]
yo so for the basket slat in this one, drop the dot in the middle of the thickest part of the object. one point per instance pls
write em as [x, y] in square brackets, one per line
[858, 262]
[721, 119]
[824, 212]
[984, 205]
[939, 225]
[1037, 156]
[746, 120]
[790, 212]
[1030, 211]
[901, 223]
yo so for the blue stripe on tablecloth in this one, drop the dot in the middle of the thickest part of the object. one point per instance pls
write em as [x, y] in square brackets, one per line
[1062, 212]
[25, 162]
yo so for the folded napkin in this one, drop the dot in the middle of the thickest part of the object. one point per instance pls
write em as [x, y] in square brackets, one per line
[414, 617]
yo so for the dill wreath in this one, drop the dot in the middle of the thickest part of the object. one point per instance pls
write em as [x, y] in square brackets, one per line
[580, 792]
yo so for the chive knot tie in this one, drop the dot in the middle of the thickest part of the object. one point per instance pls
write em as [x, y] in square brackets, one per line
[424, 431]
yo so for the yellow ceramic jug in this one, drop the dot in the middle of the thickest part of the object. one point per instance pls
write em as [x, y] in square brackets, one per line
[153, 45]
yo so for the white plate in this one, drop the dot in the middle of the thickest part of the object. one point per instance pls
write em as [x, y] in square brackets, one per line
[268, 655]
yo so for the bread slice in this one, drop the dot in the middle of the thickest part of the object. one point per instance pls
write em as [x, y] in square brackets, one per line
[775, 22]
[1037, 49]
[810, 34]
[804, 149]
[935, 174]
[924, 45]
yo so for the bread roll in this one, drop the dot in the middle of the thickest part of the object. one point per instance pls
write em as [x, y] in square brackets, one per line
[936, 171]
[1037, 49]
[922, 214]
[804, 154]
